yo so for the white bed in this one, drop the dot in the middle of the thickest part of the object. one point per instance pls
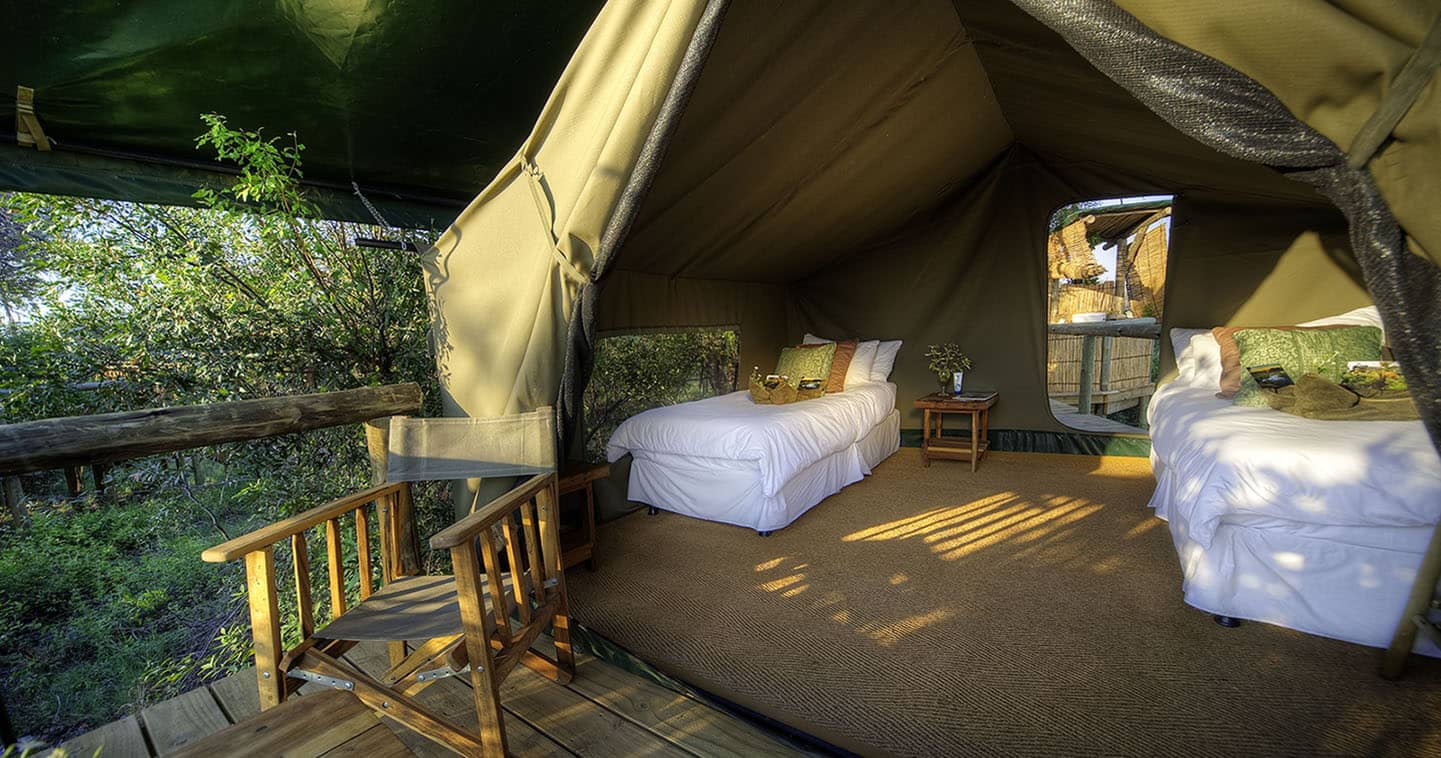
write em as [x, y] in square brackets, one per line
[1313, 525]
[728, 459]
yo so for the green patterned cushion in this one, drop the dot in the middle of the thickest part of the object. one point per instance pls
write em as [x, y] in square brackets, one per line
[1302, 351]
[808, 362]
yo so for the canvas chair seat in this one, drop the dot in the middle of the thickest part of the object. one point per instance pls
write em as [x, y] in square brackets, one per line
[410, 608]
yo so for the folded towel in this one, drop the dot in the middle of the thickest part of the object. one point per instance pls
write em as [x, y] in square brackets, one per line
[1316, 397]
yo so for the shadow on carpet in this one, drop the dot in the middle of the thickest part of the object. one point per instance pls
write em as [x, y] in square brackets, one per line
[1033, 607]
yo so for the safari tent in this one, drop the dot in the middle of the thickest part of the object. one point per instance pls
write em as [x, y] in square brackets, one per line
[881, 170]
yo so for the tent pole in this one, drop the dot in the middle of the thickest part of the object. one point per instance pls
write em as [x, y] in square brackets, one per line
[1423, 594]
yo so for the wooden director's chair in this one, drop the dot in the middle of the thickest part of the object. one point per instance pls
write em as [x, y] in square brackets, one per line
[480, 622]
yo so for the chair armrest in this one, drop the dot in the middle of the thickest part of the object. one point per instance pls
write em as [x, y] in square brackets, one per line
[270, 534]
[490, 513]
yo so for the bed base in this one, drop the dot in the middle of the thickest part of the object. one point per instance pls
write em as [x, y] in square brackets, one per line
[1230, 622]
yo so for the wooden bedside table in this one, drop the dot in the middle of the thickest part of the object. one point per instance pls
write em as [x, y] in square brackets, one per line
[933, 445]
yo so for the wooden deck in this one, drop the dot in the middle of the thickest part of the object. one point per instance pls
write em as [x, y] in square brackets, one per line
[1068, 415]
[605, 711]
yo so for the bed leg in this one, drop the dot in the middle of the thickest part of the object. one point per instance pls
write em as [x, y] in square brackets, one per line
[651, 510]
[765, 532]
[1226, 621]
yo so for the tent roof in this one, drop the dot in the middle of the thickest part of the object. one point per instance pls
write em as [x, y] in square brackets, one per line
[379, 92]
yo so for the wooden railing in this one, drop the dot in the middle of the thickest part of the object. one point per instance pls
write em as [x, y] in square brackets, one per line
[110, 437]
[392, 503]
[100, 440]
[1106, 331]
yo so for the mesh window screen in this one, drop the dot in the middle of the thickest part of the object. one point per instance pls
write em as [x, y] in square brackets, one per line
[1228, 111]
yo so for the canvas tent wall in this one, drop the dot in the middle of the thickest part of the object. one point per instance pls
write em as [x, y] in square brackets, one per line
[887, 170]
[883, 169]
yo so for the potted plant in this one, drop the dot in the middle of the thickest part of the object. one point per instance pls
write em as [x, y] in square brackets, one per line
[949, 364]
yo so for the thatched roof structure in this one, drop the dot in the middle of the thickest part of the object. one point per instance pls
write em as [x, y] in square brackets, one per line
[1068, 252]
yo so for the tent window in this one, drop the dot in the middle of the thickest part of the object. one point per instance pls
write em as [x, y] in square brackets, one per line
[635, 372]
[1106, 261]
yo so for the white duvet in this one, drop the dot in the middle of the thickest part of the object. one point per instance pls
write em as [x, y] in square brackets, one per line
[1258, 465]
[781, 440]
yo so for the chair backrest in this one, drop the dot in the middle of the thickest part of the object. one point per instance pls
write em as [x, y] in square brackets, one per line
[423, 449]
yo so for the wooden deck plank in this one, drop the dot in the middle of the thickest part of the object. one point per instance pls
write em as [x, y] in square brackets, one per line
[238, 695]
[681, 719]
[182, 720]
[576, 722]
[1070, 416]
[605, 711]
[675, 717]
[453, 699]
[308, 726]
[366, 744]
[118, 739]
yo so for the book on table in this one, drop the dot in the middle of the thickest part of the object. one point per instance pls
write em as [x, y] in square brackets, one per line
[971, 397]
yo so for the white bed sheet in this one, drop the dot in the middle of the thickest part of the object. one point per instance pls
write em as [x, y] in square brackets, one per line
[732, 492]
[1233, 463]
[1314, 525]
[779, 440]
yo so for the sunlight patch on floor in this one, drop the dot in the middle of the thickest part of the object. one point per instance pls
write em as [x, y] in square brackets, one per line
[956, 531]
[891, 633]
[1143, 527]
[922, 523]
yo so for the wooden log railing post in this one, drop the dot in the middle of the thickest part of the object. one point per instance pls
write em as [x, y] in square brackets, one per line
[1088, 372]
[7, 730]
[15, 501]
[377, 445]
[72, 480]
[99, 472]
[1108, 349]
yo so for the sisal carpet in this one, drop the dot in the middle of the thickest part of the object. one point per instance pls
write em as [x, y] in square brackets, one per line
[1033, 608]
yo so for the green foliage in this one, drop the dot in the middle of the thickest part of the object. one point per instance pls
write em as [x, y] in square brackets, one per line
[19, 276]
[252, 294]
[92, 598]
[947, 359]
[637, 372]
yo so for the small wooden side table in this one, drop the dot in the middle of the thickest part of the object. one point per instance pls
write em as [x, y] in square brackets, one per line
[933, 445]
[579, 546]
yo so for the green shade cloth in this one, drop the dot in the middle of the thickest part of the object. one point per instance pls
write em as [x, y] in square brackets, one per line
[421, 98]
[1301, 352]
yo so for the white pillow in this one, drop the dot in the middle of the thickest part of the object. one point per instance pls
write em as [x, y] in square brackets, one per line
[1198, 357]
[863, 364]
[1367, 316]
[859, 372]
[885, 360]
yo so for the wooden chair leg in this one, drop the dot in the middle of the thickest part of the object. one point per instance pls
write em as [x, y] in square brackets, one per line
[547, 506]
[479, 628]
[265, 625]
[390, 703]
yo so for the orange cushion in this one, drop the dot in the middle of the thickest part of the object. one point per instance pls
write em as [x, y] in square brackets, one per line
[1231, 353]
[845, 351]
